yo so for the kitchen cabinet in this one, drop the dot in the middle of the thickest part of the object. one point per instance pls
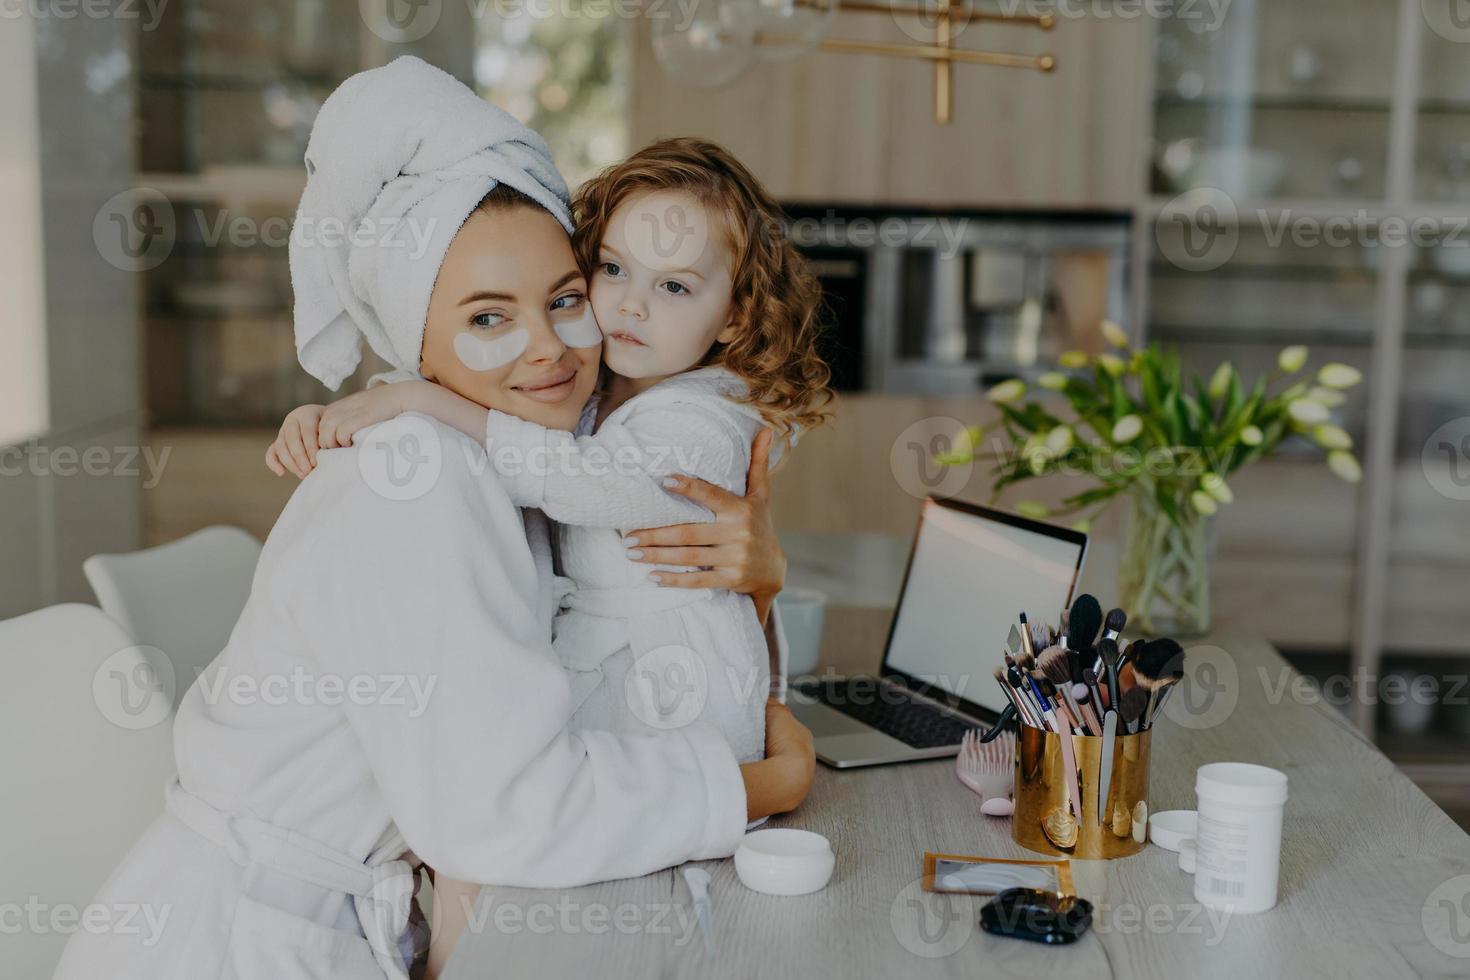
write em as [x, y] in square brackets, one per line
[842, 128]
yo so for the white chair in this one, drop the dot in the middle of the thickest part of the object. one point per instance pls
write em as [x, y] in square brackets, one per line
[182, 597]
[87, 727]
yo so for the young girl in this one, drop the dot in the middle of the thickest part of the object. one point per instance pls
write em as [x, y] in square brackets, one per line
[709, 320]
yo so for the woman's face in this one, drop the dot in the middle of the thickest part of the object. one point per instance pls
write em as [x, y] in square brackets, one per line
[509, 325]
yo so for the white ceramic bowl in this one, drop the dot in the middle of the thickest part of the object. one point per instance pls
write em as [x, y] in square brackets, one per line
[784, 861]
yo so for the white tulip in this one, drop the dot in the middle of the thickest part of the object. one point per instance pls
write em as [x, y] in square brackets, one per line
[1059, 440]
[1033, 509]
[1332, 437]
[1214, 485]
[1203, 503]
[1052, 381]
[1330, 397]
[1308, 412]
[1114, 334]
[1127, 428]
[1344, 465]
[1220, 381]
[1291, 359]
[1337, 375]
[1252, 435]
[1007, 391]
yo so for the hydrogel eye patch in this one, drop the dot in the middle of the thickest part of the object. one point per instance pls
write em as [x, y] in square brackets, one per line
[480, 354]
[581, 332]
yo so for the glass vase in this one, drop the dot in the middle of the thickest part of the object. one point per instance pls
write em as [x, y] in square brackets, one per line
[1164, 579]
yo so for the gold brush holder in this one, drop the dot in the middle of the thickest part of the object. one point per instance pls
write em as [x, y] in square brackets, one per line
[1043, 821]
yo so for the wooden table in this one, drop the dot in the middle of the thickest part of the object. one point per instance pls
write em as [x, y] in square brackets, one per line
[1370, 868]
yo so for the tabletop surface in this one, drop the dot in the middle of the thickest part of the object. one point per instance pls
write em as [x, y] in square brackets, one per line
[1375, 879]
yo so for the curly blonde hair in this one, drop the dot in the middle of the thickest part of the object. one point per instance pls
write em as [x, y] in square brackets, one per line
[776, 299]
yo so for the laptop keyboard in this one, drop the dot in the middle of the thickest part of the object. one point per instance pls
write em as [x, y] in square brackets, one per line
[891, 711]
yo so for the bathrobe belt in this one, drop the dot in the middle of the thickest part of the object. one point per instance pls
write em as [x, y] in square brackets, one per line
[381, 887]
[584, 645]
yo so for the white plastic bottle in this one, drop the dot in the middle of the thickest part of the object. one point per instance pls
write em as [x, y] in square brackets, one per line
[1238, 839]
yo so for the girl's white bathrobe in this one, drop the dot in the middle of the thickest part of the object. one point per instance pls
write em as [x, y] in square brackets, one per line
[392, 670]
[640, 656]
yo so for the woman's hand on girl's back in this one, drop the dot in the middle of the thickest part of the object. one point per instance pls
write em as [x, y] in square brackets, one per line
[739, 548]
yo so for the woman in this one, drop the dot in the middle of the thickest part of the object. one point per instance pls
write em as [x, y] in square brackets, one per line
[401, 607]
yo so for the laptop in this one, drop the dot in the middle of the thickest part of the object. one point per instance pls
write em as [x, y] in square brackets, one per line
[971, 571]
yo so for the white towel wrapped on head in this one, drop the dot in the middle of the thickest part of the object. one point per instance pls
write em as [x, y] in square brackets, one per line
[399, 157]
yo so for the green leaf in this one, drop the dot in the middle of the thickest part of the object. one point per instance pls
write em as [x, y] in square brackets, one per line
[1173, 419]
[1167, 503]
[1095, 495]
[1017, 417]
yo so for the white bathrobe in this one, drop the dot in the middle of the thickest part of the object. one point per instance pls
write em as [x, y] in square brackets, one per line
[290, 789]
[643, 657]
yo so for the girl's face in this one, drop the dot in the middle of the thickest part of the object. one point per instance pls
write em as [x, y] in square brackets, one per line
[509, 323]
[661, 289]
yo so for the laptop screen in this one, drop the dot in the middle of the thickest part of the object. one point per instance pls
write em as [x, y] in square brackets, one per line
[971, 572]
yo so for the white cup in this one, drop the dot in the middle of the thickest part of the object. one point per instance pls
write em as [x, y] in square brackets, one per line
[802, 614]
[1238, 836]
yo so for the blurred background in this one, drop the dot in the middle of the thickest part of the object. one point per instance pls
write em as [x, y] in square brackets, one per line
[151, 158]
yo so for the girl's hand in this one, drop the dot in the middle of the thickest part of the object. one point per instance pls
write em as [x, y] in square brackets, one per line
[782, 780]
[739, 548]
[345, 417]
[296, 444]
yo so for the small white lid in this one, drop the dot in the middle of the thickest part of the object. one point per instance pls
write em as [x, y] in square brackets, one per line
[1241, 784]
[1168, 828]
[784, 861]
[1187, 853]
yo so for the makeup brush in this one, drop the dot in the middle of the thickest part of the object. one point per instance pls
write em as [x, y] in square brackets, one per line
[1041, 637]
[1082, 697]
[1131, 708]
[1054, 701]
[1011, 710]
[1083, 623]
[1014, 677]
[1058, 669]
[1026, 646]
[1104, 781]
[1107, 651]
[1069, 757]
[1114, 623]
[1062, 633]
[1159, 665]
[1013, 640]
[1127, 680]
[1129, 653]
[1089, 678]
